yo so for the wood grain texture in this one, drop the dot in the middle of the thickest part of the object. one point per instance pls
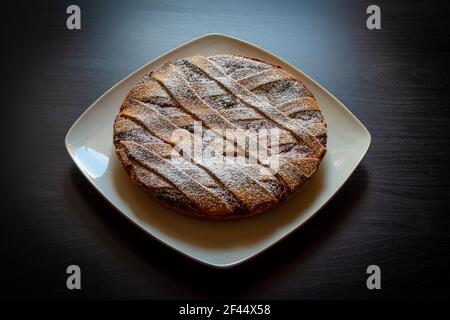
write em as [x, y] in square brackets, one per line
[393, 212]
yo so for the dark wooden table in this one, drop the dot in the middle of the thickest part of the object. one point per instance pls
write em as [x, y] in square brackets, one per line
[393, 211]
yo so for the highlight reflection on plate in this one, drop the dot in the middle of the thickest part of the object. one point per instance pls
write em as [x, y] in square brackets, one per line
[95, 163]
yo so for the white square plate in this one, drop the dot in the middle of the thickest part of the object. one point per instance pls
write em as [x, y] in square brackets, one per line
[219, 244]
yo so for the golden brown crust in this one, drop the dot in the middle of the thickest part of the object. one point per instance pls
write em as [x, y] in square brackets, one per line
[223, 92]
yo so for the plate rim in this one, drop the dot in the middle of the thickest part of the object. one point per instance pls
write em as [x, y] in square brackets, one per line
[249, 257]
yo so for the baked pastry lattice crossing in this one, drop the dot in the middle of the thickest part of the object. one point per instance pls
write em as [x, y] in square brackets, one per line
[225, 93]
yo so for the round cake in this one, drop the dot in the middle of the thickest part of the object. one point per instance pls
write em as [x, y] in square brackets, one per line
[220, 137]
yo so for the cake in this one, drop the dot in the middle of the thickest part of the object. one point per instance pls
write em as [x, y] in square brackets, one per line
[220, 137]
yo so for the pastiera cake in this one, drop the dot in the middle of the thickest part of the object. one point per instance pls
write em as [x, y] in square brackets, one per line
[220, 137]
